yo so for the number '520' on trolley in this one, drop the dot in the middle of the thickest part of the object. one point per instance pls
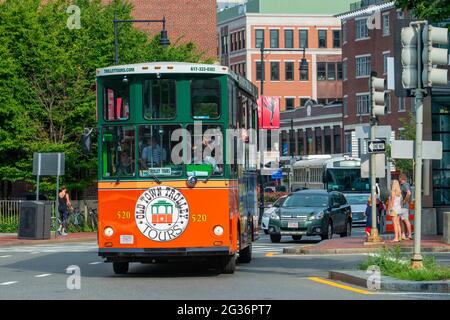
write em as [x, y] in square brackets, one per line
[152, 208]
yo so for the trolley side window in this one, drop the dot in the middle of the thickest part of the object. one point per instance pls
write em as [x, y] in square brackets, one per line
[205, 98]
[116, 100]
[118, 151]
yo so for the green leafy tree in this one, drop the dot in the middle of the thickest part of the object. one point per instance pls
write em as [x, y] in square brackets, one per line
[47, 80]
[431, 10]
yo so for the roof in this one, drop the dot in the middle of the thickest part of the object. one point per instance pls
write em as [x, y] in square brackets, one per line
[309, 191]
[366, 10]
[290, 7]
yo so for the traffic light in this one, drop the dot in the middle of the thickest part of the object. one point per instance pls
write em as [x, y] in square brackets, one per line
[378, 96]
[409, 57]
[434, 56]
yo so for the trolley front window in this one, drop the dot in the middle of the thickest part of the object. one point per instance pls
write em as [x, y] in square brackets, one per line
[346, 180]
[116, 100]
[118, 148]
[159, 99]
[205, 98]
[155, 151]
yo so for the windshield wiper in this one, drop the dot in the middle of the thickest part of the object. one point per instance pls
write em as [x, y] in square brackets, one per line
[155, 178]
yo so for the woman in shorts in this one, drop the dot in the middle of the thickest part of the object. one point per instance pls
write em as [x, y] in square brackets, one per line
[395, 205]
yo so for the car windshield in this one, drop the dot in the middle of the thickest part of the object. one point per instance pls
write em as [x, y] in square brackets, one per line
[279, 202]
[357, 199]
[306, 200]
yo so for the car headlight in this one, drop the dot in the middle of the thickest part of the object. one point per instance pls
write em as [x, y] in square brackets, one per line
[274, 216]
[317, 216]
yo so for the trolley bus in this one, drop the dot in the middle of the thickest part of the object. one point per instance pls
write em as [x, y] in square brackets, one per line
[153, 209]
[325, 172]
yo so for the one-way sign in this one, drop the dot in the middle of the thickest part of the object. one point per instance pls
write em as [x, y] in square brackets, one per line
[377, 146]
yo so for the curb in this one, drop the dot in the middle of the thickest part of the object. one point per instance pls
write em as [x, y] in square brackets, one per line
[49, 241]
[308, 250]
[359, 278]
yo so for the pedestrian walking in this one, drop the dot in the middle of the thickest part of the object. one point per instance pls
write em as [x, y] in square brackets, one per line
[380, 208]
[395, 207]
[406, 200]
[63, 209]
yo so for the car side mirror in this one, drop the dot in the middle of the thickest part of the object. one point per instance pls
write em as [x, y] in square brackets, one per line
[86, 144]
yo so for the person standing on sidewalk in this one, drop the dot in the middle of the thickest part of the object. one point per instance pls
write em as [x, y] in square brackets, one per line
[404, 216]
[395, 207]
[380, 208]
[63, 209]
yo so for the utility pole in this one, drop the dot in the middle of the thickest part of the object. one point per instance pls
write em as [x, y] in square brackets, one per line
[261, 147]
[419, 78]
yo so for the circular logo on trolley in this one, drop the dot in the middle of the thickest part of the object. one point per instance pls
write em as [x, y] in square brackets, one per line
[162, 213]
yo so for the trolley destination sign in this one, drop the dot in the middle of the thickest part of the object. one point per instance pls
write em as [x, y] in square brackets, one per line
[376, 146]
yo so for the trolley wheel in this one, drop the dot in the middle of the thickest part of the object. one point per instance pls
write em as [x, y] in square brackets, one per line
[120, 267]
[228, 264]
[245, 255]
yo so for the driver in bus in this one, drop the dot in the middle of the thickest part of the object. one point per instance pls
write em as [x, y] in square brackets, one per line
[153, 155]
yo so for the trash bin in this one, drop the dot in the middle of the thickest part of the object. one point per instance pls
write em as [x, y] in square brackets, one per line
[34, 220]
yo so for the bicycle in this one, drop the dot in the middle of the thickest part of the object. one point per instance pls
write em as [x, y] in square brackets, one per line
[76, 220]
[93, 218]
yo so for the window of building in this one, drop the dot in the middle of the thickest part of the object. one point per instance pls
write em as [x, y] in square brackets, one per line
[362, 31]
[224, 44]
[288, 38]
[275, 71]
[388, 103]
[290, 103]
[259, 71]
[344, 70]
[386, 25]
[337, 140]
[362, 104]
[331, 71]
[327, 143]
[318, 141]
[304, 76]
[289, 71]
[243, 39]
[363, 66]
[344, 32]
[401, 104]
[300, 144]
[274, 39]
[322, 38]
[303, 101]
[339, 70]
[345, 106]
[336, 38]
[303, 38]
[348, 143]
[385, 62]
[321, 71]
[259, 37]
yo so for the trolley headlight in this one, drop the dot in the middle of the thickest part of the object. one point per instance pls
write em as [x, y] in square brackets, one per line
[191, 181]
[317, 216]
[218, 230]
[108, 232]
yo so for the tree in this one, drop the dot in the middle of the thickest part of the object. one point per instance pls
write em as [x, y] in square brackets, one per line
[47, 80]
[431, 10]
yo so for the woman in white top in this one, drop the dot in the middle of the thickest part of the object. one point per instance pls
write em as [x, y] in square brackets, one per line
[395, 206]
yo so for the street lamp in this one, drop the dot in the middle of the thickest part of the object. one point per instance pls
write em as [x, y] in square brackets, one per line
[163, 41]
[304, 68]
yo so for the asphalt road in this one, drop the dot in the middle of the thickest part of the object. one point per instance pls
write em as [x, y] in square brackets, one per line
[39, 272]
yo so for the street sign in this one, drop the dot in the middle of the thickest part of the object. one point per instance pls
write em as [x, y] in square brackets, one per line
[48, 164]
[376, 146]
[381, 132]
[404, 149]
[380, 160]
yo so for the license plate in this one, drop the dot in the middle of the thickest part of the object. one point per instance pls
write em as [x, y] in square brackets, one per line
[126, 239]
[292, 224]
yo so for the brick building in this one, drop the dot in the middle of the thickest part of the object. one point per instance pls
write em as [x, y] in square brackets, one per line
[193, 20]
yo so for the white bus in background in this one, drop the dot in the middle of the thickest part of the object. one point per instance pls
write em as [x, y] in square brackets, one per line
[325, 172]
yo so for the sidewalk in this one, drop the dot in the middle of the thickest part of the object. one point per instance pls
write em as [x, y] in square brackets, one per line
[10, 239]
[356, 245]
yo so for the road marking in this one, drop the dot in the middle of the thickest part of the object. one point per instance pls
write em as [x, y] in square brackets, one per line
[8, 283]
[337, 285]
[413, 293]
[5, 256]
[43, 275]
[270, 254]
[96, 262]
[34, 252]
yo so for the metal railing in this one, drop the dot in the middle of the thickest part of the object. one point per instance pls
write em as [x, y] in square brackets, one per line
[9, 211]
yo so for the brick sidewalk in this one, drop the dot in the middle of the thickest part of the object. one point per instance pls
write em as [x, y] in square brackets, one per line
[356, 245]
[12, 240]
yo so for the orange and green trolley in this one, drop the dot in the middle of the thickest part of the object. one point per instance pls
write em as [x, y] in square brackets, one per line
[163, 193]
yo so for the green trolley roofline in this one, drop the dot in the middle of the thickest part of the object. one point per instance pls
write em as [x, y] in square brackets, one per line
[159, 68]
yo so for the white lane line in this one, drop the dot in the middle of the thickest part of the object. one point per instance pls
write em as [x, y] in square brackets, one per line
[43, 275]
[34, 252]
[8, 283]
[413, 293]
[97, 262]
[7, 256]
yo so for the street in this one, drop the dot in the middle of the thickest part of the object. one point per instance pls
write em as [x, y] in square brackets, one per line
[39, 272]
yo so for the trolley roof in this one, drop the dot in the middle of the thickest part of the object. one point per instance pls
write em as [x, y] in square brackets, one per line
[321, 162]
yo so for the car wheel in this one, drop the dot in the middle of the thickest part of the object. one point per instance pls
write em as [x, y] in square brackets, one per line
[330, 232]
[120, 267]
[275, 238]
[348, 230]
[296, 238]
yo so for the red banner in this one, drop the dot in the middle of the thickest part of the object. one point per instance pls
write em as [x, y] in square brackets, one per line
[269, 112]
